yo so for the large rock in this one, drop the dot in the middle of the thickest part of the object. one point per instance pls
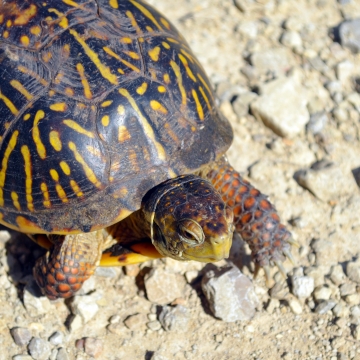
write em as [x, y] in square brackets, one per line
[282, 107]
[230, 294]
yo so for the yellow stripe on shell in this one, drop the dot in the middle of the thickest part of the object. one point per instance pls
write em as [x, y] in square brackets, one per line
[46, 195]
[36, 134]
[35, 30]
[61, 193]
[28, 174]
[76, 188]
[4, 163]
[165, 23]
[123, 134]
[34, 75]
[154, 53]
[27, 226]
[106, 103]
[8, 103]
[146, 126]
[65, 168]
[187, 68]
[105, 120]
[205, 84]
[54, 175]
[24, 16]
[155, 105]
[147, 13]
[21, 89]
[58, 107]
[142, 89]
[84, 81]
[75, 126]
[26, 117]
[54, 138]
[199, 108]
[178, 75]
[116, 56]
[205, 97]
[161, 89]
[132, 54]
[88, 171]
[114, 4]
[70, 3]
[104, 70]
[15, 199]
[133, 21]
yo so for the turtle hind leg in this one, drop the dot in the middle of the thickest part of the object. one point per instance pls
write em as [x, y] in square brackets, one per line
[72, 259]
[255, 218]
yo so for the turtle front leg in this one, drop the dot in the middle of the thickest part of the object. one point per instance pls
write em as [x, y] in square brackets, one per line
[255, 218]
[71, 260]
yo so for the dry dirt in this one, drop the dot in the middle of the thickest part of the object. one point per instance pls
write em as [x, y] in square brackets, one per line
[224, 37]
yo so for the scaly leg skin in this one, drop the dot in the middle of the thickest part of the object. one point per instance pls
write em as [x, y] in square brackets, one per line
[70, 261]
[255, 218]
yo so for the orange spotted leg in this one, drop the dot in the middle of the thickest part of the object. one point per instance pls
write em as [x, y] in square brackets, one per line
[71, 260]
[255, 218]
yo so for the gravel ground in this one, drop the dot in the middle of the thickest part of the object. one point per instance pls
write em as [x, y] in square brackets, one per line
[287, 77]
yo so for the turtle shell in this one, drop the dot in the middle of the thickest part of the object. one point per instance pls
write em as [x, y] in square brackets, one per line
[100, 101]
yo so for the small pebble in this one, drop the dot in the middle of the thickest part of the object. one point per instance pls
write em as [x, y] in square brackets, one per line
[347, 289]
[62, 354]
[353, 271]
[302, 286]
[175, 318]
[337, 275]
[295, 306]
[325, 306]
[56, 338]
[93, 347]
[136, 321]
[154, 325]
[20, 335]
[39, 349]
[322, 293]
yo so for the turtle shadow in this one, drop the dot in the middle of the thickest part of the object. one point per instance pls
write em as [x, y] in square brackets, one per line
[21, 255]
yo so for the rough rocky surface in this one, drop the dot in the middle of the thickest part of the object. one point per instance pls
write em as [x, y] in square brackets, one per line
[243, 45]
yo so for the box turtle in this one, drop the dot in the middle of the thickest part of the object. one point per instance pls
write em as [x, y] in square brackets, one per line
[112, 148]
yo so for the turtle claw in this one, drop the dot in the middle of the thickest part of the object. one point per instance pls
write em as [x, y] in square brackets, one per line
[290, 256]
[267, 275]
[281, 268]
[293, 242]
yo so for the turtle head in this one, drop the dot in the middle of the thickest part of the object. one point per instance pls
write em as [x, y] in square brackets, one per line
[189, 220]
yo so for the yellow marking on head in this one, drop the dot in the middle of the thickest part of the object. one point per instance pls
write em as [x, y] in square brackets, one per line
[54, 174]
[116, 56]
[27, 226]
[61, 193]
[147, 13]
[31, 73]
[36, 134]
[166, 45]
[106, 103]
[54, 138]
[84, 81]
[28, 173]
[9, 104]
[133, 21]
[155, 105]
[145, 124]
[188, 70]
[69, 91]
[105, 120]
[165, 23]
[132, 54]
[35, 30]
[58, 107]
[199, 108]
[154, 53]
[167, 78]
[142, 89]
[161, 89]
[47, 56]
[75, 126]
[76, 188]
[149, 29]
[4, 163]
[65, 167]
[5, 34]
[24, 16]
[24, 39]
[26, 117]
[123, 134]
[126, 40]
[88, 171]
[178, 75]
[205, 97]
[104, 70]
[15, 199]
[114, 4]
[172, 40]
[121, 110]
[70, 3]
[205, 84]
[93, 151]
[46, 195]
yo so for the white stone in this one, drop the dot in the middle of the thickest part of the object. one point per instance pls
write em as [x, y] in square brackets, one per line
[302, 286]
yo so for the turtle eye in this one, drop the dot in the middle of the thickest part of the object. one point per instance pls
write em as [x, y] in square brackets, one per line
[191, 232]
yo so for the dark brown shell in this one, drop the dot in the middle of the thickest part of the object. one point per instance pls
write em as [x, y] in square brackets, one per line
[100, 101]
